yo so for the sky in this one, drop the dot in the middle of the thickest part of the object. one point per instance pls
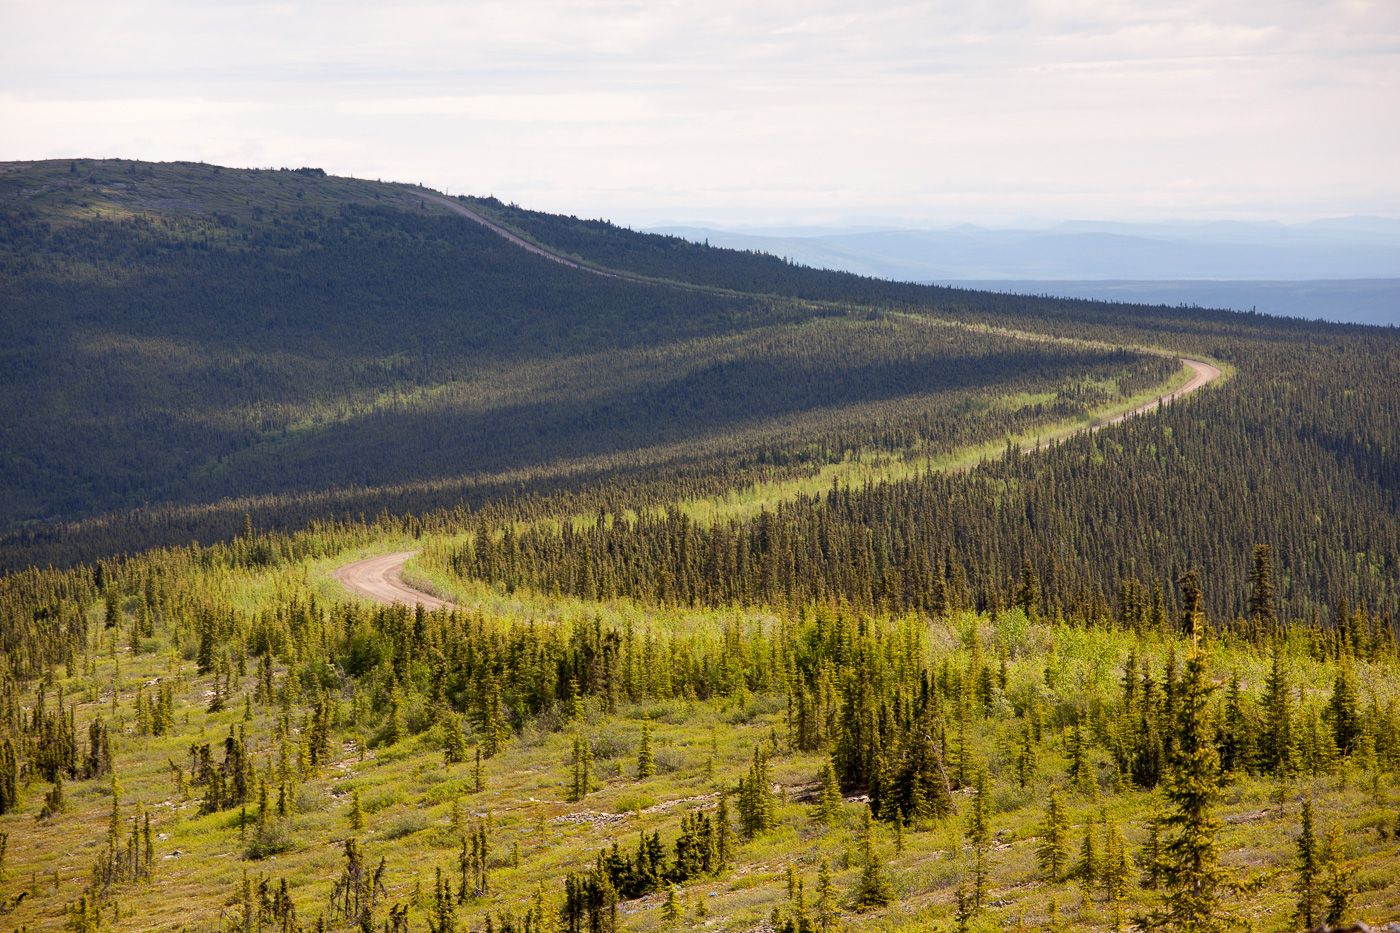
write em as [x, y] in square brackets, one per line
[998, 112]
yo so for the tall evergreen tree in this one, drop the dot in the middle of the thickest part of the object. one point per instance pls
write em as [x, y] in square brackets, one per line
[979, 835]
[873, 890]
[826, 899]
[1053, 848]
[724, 835]
[9, 776]
[454, 746]
[1027, 760]
[1088, 870]
[1028, 595]
[1116, 874]
[1337, 879]
[1276, 749]
[646, 758]
[581, 780]
[758, 807]
[1081, 771]
[1190, 870]
[1342, 710]
[1307, 884]
[829, 800]
[1237, 730]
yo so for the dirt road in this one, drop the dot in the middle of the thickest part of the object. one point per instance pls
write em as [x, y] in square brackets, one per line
[380, 578]
[460, 209]
[1202, 374]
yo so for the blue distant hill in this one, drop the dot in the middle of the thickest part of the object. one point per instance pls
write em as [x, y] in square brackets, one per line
[1344, 269]
[1353, 301]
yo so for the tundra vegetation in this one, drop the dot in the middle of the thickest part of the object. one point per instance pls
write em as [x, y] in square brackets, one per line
[764, 614]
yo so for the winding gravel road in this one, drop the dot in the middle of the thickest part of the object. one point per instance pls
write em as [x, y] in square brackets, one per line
[1202, 374]
[380, 578]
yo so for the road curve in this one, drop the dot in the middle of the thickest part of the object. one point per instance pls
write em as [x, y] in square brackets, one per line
[1202, 374]
[380, 578]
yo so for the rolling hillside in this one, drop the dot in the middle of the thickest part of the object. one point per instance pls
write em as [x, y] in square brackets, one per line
[195, 334]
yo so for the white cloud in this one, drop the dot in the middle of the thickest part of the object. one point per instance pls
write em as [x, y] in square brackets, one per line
[588, 108]
[776, 111]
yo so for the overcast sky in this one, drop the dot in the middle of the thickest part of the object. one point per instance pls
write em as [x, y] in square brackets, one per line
[804, 112]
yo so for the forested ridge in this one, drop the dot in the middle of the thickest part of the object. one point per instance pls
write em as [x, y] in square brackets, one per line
[763, 615]
[191, 344]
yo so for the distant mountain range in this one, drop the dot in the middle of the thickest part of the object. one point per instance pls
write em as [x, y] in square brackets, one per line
[1348, 301]
[1344, 269]
[1344, 248]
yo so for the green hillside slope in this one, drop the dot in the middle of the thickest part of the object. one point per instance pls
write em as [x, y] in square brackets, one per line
[186, 334]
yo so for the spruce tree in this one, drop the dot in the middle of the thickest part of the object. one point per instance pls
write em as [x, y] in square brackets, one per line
[829, 800]
[9, 777]
[581, 776]
[1027, 761]
[443, 916]
[1088, 869]
[357, 812]
[1028, 594]
[646, 759]
[394, 731]
[1190, 869]
[826, 899]
[491, 718]
[1081, 772]
[1337, 879]
[1237, 730]
[454, 749]
[1306, 886]
[1053, 848]
[912, 784]
[1116, 874]
[724, 835]
[54, 803]
[979, 835]
[1342, 712]
[1151, 856]
[873, 890]
[1277, 745]
[758, 808]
